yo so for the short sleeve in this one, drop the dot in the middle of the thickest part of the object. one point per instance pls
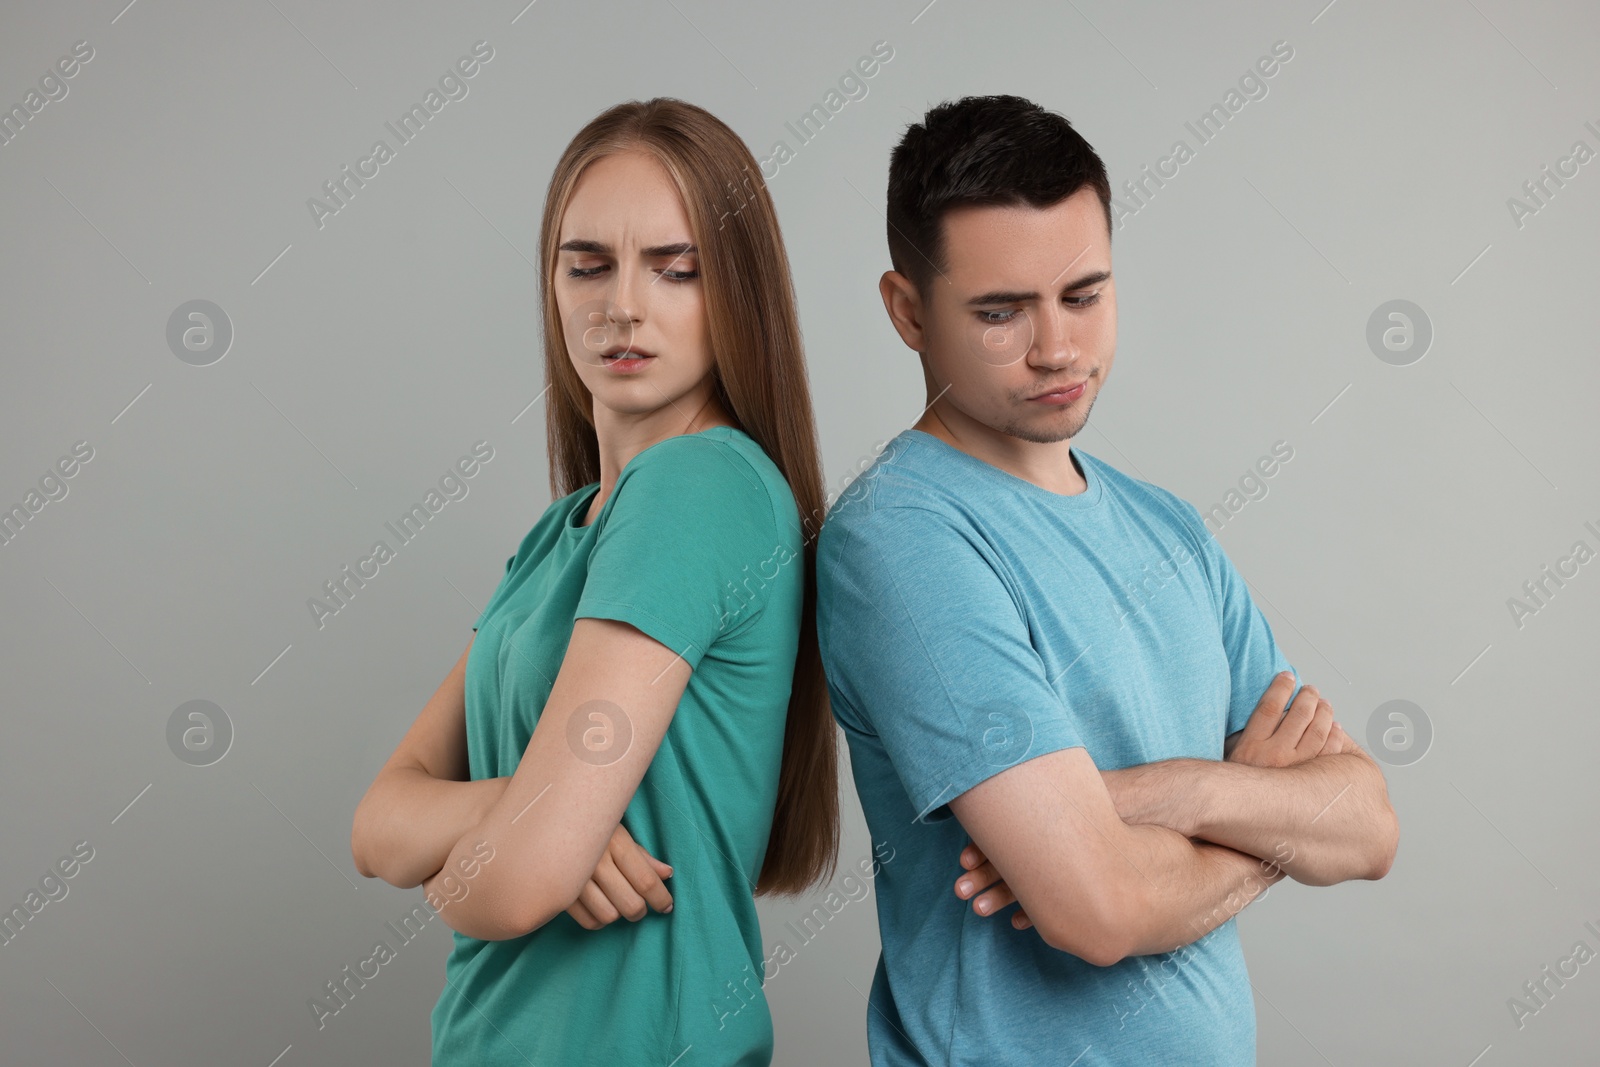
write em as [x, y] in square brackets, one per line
[499, 592]
[686, 548]
[925, 647]
[1254, 658]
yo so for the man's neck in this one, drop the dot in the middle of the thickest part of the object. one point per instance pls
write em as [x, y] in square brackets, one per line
[1051, 466]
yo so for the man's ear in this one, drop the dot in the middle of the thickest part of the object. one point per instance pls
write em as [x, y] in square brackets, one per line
[904, 305]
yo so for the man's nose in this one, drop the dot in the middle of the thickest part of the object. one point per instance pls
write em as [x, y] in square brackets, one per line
[1053, 342]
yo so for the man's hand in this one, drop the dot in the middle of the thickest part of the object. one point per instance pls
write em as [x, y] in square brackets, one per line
[1276, 738]
[627, 881]
[980, 877]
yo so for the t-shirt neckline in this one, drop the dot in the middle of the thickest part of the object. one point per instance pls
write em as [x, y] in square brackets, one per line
[1091, 495]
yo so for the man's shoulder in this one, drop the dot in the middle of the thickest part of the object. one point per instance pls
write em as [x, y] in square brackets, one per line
[1141, 494]
[905, 484]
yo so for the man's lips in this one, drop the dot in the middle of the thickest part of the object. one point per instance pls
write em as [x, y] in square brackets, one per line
[1062, 392]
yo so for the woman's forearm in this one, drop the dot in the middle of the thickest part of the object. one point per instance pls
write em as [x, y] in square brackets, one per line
[406, 825]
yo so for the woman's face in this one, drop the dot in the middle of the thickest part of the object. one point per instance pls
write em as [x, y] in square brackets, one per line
[628, 281]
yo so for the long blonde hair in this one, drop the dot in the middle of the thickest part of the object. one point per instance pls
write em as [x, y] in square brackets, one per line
[760, 377]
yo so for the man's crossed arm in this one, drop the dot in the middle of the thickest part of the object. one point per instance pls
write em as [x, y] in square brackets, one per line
[1319, 805]
[1145, 859]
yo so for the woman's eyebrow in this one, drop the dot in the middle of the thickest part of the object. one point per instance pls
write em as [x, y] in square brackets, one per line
[600, 248]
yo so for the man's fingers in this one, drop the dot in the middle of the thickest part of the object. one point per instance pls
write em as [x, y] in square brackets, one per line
[994, 899]
[1316, 734]
[1338, 741]
[1269, 710]
[1298, 717]
[976, 881]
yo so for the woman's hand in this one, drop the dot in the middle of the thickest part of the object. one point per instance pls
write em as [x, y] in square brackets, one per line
[627, 881]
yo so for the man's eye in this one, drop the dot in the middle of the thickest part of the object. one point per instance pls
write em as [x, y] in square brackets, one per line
[1084, 301]
[996, 318]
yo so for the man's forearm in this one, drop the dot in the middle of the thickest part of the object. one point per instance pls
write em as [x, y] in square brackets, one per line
[1183, 889]
[1324, 820]
[408, 824]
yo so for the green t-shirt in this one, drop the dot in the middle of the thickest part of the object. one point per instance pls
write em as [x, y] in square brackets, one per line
[699, 547]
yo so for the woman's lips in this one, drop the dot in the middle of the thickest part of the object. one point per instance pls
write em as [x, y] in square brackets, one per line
[625, 362]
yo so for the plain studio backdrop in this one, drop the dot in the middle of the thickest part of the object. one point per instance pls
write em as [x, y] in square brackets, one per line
[1421, 546]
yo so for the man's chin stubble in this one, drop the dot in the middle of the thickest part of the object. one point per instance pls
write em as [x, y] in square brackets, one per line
[1049, 432]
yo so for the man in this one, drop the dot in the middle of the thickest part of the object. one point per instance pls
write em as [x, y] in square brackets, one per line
[1059, 656]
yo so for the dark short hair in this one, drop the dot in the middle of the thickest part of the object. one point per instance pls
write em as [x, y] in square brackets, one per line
[981, 150]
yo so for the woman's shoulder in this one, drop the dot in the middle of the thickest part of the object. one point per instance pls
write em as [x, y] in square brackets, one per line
[722, 463]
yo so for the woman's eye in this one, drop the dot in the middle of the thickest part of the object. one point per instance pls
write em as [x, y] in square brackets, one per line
[680, 275]
[583, 272]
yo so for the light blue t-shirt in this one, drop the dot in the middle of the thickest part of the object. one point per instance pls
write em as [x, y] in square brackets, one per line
[969, 620]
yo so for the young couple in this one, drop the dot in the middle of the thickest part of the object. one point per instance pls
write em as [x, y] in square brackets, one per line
[1056, 690]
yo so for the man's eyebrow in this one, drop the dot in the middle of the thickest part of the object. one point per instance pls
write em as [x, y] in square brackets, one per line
[600, 248]
[1004, 296]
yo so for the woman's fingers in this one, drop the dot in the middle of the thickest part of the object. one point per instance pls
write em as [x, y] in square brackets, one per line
[619, 890]
[643, 871]
[598, 901]
[585, 918]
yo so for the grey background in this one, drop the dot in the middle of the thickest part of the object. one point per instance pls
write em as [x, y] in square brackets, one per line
[370, 353]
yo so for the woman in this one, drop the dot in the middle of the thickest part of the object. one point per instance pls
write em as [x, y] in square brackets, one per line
[643, 698]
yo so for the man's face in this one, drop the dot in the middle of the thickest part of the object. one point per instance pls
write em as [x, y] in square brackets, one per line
[1025, 307]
